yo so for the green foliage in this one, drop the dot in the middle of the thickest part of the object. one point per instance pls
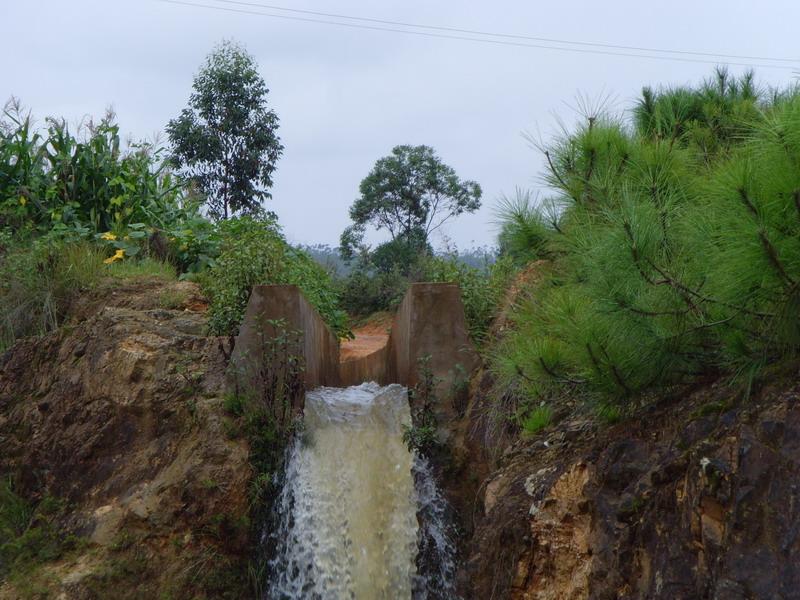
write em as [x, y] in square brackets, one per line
[675, 252]
[226, 140]
[267, 418]
[410, 194]
[29, 534]
[399, 255]
[84, 183]
[710, 119]
[482, 290]
[537, 419]
[525, 230]
[39, 280]
[422, 435]
[38, 283]
[253, 251]
[363, 293]
[85, 186]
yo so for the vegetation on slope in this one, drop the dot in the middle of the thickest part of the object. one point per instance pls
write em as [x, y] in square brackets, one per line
[76, 207]
[675, 247]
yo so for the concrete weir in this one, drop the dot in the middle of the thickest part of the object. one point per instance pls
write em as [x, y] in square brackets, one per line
[430, 321]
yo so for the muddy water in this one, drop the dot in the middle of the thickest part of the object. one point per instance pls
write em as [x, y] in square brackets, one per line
[348, 510]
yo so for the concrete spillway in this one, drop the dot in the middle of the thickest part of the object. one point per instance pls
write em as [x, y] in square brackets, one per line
[359, 515]
[429, 322]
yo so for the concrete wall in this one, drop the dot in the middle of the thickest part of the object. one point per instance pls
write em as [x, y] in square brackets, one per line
[319, 345]
[430, 321]
[372, 367]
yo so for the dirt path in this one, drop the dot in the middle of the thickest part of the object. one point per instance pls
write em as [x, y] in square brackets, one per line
[370, 336]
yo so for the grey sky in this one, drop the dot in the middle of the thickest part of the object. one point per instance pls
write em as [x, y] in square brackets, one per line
[346, 96]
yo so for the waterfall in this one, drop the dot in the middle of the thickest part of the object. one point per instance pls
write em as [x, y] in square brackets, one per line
[349, 513]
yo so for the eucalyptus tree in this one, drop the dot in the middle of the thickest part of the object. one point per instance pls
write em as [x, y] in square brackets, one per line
[410, 194]
[226, 140]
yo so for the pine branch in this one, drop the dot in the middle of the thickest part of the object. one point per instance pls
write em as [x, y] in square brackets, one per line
[558, 377]
[772, 254]
[556, 173]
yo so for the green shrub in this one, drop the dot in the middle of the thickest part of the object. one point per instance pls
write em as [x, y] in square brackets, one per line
[363, 292]
[252, 252]
[482, 290]
[85, 186]
[676, 250]
[55, 176]
[537, 419]
[29, 534]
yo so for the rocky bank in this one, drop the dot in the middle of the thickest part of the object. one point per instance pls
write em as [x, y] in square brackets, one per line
[696, 497]
[117, 419]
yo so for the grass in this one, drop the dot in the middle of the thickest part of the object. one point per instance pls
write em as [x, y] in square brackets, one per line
[146, 267]
[39, 281]
[172, 299]
[30, 534]
[536, 420]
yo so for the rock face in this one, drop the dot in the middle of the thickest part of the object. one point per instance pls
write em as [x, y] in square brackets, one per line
[697, 499]
[119, 415]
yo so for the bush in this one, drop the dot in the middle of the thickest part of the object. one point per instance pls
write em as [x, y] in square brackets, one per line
[39, 279]
[253, 251]
[84, 185]
[57, 177]
[363, 293]
[482, 290]
[676, 251]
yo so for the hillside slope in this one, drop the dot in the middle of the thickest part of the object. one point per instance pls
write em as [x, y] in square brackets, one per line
[116, 421]
[697, 497]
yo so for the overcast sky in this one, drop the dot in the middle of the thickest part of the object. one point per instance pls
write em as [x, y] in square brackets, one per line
[346, 96]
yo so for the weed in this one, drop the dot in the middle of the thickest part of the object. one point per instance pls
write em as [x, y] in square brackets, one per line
[537, 419]
[610, 414]
[172, 299]
[30, 534]
[715, 407]
[459, 389]
[422, 435]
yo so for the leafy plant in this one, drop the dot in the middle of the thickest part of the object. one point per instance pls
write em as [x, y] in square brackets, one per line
[422, 435]
[253, 252]
[226, 141]
[85, 182]
[364, 292]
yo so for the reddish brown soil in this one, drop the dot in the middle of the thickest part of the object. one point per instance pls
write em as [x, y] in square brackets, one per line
[370, 335]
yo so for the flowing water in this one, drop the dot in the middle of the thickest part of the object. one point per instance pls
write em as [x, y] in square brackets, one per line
[349, 513]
